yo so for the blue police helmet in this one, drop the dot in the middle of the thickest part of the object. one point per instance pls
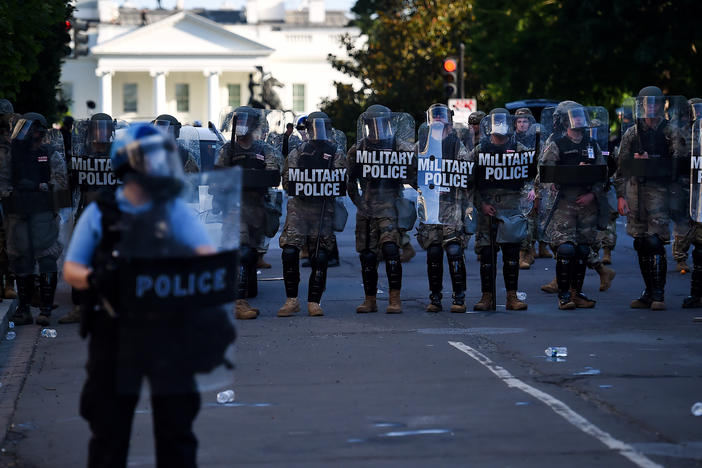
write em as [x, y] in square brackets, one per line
[144, 150]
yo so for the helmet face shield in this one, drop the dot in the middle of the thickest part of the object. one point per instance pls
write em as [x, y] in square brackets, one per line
[499, 124]
[577, 118]
[166, 127]
[696, 111]
[101, 131]
[154, 156]
[319, 129]
[439, 113]
[649, 107]
[24, 129]
[244, 123]
[377, 128]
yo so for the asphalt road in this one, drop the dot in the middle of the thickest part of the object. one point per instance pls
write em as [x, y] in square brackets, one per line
[414, 389]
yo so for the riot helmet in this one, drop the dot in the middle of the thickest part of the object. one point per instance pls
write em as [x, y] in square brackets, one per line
[650, 103]
[245, 120]
[6, 114]
[576, 118]
[168, 124]
[498, 122]
[31, 126]
[439, 113]
[475, 117]
[102, 129]
[145, 155]
[6, 107]
[319, 126]
[376, 123]
[695, 109]
[523, 111]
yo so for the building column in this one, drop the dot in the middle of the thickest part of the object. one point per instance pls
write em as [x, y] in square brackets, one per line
[212, 95]
[159, 89]
[105, 97]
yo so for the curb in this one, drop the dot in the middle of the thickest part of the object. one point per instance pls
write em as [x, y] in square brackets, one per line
[7, 309]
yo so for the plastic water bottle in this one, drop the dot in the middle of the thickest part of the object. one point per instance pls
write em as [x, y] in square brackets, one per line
[226, 396]
[11, 325]
[521, 295]
[556, 351]
[10, 336]
[49, 333]
[697, 409]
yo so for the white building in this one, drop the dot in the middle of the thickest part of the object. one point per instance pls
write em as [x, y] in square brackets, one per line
[192, 63]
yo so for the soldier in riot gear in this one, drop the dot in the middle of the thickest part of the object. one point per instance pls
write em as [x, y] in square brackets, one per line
[7, 279]
[444, 183]
[262, 166]
[499, 193]
[125, 244]
[29, 178]
[694, 236]
[646, 183]
[310, 210]
[171, 126]
[474, 121]
[573, 162]
[377, 228]
[525, 134]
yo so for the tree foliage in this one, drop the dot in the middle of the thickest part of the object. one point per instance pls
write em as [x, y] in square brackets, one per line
[33, 41]
[594, 52]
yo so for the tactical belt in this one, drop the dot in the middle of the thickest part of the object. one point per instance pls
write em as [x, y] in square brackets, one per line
[574, 175]
[653, 168]
[36, 202]
[159, 286]
[256, 178]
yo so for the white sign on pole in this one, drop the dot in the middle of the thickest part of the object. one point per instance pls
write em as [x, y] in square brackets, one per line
[462, 108]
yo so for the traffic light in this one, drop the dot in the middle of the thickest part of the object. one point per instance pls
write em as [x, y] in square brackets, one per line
[450, 71]
[80, 37]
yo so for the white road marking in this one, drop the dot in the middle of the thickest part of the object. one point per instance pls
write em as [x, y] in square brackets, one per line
[559, 408]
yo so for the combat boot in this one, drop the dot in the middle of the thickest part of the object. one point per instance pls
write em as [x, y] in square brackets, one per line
[606, 256]
[682, 267]
[532, 253]
[581, 301]
[459, 303]
[314, 309]
[8, 289]
[261, 263]
[43, 318]
[692, 302]
[408, 253]
[658, 277]
[606, 276]
[551, 288]
[244, 311]
[435, 304]
[643, 302]
[369, 305]
[513, 302]
[72, 317]
[524, 263]
[395, 303]
[290, 308]
[22, 316]
[543, 252]
[486, 302]
[565, 301]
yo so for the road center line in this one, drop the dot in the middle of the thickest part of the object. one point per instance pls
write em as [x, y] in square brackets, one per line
[559, 408]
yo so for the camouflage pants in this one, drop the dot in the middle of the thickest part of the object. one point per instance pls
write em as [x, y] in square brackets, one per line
[608, 237]
[503, 201]
[302, 225]
[573, 223]
[372, 233]
[428, 234]
[650, 215]
[31, 241]
[251, 226]
[532, 232]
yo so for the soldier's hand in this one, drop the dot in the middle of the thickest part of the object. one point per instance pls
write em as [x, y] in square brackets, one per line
[641, 156]
[43, 187]
[531, 195]
[622, 206]
[585, 199]
[488, 209]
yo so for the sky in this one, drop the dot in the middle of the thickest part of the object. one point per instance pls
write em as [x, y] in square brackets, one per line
[214, 4]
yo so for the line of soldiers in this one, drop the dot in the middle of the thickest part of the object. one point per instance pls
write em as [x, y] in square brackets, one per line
[504, 178]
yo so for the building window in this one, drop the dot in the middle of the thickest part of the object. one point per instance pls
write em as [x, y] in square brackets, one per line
[234, 95]
[183, 97]
[129, 97]
[298, 98]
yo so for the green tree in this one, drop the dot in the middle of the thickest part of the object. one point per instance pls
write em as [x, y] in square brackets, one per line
[33, 41]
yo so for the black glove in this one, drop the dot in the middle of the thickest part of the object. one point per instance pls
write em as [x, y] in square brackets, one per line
[104, 281]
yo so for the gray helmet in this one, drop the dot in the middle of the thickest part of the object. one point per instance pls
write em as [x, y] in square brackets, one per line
[35, 116]
[651, 91]
[319, 126]
[169, 123]
[376, 122]
[245, 120]
[6, 107]
[475, 117]
[649, 103]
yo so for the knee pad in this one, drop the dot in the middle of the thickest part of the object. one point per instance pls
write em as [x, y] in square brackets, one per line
[247, 255]
[453, 250]
[582, 251]
[654, 244]
[290, 254]
[368, 257]
[510, 251]
[435, 254]
[320, 260]
[566, 250]
[697, 255]
[486, 254]
[390, 250]
[639, 244]
[47, 265]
